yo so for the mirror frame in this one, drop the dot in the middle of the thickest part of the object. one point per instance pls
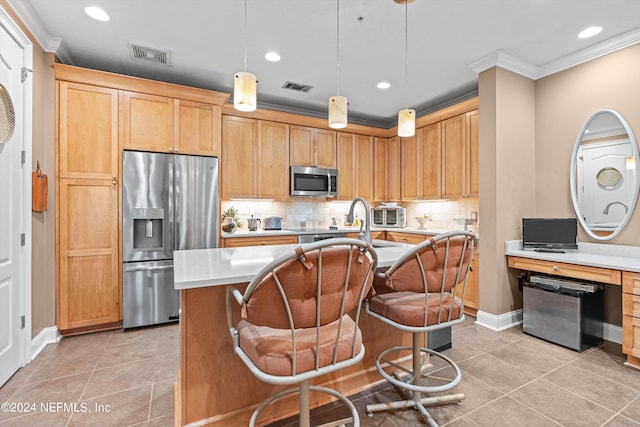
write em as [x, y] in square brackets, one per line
[573, 177]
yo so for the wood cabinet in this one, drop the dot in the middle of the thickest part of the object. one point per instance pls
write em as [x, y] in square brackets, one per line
[631, 317]
[380, 169]
[473, 139]
[88, 254]
[163, 124]
[87, 208]
[236, 242]
[253, 165]
[87, 131]
[472, 291]
[421, 164]
[410, 238]
[596, 274]
[393, 171]
[312, 147]
[355, 166]
[454, 157]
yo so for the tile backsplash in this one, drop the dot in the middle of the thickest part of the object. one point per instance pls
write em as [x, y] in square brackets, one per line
[317, 213]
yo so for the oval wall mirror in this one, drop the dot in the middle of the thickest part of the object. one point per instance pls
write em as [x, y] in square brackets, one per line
[604, 182]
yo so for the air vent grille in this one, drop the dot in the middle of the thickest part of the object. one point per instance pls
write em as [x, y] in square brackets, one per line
[149, 54]
[298, 87]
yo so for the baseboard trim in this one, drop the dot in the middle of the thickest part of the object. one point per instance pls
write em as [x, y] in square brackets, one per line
[508, 320]
[499, 322]
[46, 336]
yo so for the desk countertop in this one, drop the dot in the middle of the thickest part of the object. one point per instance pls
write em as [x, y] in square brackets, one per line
[197, 268]
[614, 257]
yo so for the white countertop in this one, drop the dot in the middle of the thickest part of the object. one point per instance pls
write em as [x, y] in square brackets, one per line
[614, 257]
[198, 268]
[243, 232]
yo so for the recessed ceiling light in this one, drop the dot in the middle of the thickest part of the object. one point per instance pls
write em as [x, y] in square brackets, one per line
[589, 32]
[96, 13]
[384, 85]
[272, 56]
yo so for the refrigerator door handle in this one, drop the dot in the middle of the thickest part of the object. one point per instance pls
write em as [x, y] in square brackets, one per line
[160, 267]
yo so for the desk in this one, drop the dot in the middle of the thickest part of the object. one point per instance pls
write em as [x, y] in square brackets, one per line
[214, 387]
[613, 264]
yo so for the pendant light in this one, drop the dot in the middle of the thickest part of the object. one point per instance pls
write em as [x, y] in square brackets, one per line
[244, 83]
[338, 104]
[406, 117]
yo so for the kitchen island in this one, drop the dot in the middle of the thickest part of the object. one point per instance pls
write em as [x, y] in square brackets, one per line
[214, 386]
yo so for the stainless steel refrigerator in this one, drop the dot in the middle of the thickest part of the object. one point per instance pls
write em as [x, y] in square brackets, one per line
[169, 202]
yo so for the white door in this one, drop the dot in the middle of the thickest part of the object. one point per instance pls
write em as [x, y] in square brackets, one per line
[13, 217]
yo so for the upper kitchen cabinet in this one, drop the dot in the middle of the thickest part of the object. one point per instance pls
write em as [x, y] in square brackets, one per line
[147, 122]
[380, 169]
[460, 156]
[312, 147]
[87, 131]
[421, 164]
[197, 128]
[168, 125]
[355, 166]
[393, 178]
[252, 162]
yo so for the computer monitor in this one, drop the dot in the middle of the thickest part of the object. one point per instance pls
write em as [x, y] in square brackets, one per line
[550, 233]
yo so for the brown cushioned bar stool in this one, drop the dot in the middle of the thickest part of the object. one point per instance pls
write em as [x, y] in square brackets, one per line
[295, 320]
[421, 297]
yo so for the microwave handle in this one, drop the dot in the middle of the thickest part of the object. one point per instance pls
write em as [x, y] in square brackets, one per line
[328, 184]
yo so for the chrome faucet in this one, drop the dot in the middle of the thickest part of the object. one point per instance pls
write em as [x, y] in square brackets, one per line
[606, 209]
[366, 236]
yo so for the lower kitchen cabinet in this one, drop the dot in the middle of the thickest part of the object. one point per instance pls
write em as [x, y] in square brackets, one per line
[631, 317]
[410, 238]
[236, 242]
[88, 255]
[472, 292]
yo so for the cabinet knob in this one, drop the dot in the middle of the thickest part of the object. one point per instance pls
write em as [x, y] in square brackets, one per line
[555, 268]
[114, 181]
[263, 243]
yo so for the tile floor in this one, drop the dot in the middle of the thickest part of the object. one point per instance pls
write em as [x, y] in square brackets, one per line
[509, 379]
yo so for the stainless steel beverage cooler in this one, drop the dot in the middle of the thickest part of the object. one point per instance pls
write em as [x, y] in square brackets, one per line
[564, 312]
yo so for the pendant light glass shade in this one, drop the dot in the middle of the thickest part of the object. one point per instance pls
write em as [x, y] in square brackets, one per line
[338, 112]
[406, 122]
[244, 91]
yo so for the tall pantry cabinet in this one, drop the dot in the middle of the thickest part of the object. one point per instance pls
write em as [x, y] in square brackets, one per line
[88, 259]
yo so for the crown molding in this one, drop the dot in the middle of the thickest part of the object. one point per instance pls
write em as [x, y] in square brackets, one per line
[509, 62]
[29, 18]
[605, 47]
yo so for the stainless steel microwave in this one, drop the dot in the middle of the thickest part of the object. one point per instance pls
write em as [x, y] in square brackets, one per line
[314, 182]
[389, 217]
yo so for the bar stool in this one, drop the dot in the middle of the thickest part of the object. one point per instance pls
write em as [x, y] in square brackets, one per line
[422, 287]
[295, 323]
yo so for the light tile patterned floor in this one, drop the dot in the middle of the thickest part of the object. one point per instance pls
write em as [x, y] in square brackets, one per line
[509, 379]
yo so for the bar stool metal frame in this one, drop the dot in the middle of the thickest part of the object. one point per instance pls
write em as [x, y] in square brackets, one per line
[335, 297]
[439, 304]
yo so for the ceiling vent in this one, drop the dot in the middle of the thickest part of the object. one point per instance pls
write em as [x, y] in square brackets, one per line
[149, 54]
[298, 87]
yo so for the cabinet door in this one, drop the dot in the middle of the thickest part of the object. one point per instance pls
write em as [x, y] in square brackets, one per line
[410, 238]
[197, 128]
[380, 169]
[429, 149]
[324, 146]
[88, 261]
[454, 157]
[409, 169]
[364, 167]
[393, 170]
[473, 137]
[472, 293]
[273, 166]
[236, 242]
[346, 145]
[147, 122]
[300, 146]
[631, 336]
[87, 131]
[238, 157]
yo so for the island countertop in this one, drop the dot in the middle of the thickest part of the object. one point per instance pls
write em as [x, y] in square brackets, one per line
[197, 268]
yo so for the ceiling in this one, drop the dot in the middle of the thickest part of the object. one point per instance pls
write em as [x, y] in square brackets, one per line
[449, 42]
